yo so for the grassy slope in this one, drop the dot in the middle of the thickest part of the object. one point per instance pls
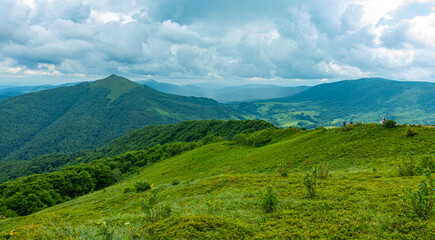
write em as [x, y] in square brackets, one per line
[220, 186]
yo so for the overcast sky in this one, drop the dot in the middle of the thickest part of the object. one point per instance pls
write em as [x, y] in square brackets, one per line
[221, 41]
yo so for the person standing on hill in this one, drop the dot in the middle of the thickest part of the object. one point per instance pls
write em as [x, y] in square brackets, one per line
[344, 124]
[383, 120]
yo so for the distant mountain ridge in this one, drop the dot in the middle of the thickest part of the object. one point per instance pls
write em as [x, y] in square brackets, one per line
[90, 114]
[367, 100]
[12, 91]
[243, 93]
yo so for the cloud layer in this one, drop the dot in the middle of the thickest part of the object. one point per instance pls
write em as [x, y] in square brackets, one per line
[287, 42]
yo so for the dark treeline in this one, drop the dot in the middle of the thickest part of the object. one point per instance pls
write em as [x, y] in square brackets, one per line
[141, 139]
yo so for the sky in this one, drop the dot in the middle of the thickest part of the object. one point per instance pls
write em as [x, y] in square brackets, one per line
[220, 41]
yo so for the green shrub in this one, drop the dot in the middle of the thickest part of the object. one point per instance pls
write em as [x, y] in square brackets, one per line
[389, 124]
[282, 169]
[165, 211]
[419, 203]
[269, 201]
[175, 182]
[427, 162]
[153, 210]
[256, 139]
[142, 186]
[211, 139]
[410, 131]
[127, 190]
[322, 170]
[410, 167]
[347, 128]
[406, 167]
[310, 183]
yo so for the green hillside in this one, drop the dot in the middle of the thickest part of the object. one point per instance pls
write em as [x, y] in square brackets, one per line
[219, 190]
[362, 100]
[140, 139]
[88, 115]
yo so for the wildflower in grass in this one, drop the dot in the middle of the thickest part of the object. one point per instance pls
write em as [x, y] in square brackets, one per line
[12, 233]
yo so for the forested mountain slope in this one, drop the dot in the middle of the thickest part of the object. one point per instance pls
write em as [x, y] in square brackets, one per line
[88, 115]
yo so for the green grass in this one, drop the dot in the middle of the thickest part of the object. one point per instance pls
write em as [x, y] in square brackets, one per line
[221, 185]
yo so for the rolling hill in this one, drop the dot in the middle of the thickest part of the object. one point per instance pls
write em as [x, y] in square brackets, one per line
[88, 115]
[366, 100]
[219, 190]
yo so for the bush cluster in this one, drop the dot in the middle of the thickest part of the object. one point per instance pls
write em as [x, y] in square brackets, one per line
[389, 124]
[142, 186]
[256, 139]
[269, 200]
[310, 182]
[410, 131]
[419, 203]
[322, 170]
[282, 169]
[411, 166]
[153, 209]
[175, 182]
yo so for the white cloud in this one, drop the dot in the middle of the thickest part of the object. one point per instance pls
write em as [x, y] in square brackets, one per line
[340, 70]
[250, 40]
[423, 28]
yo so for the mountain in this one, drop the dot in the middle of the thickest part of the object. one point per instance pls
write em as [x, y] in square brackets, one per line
[12, 91]
[370, 93]
[183, 90]
[243, 93]
[235, 190]
[366, 100]
[88, 115]
[254, 92]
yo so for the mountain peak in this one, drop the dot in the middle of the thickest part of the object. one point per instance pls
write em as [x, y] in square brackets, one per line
[117, 85]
